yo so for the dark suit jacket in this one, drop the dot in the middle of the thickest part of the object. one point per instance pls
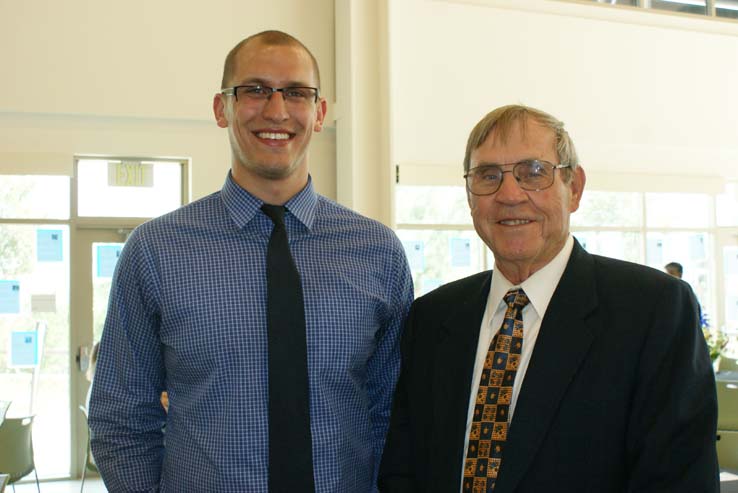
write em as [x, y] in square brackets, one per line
[619, 394]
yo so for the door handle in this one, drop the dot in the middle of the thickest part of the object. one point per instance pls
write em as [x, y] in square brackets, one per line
[83, 358]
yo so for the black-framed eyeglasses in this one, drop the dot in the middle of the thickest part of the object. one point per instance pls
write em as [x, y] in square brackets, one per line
[531, 174]
[259, 92]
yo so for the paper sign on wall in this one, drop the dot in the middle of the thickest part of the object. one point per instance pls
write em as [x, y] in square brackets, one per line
[49, 245]
[696, 247]
[43, 303]
[415, 254]
[9, 297]
[23, 349]
[655, 249]
[107, 258]
[460, 252]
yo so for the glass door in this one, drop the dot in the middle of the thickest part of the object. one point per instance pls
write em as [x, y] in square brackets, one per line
[111, 197]
[95, 253]
[59, 242]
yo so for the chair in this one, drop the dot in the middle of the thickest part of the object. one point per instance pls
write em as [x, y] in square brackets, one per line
[727, 397]
[4, 405]
[728, 364]
[16, 449]
[727, 444]
[4, 478]
[89, 460]
[727, 450]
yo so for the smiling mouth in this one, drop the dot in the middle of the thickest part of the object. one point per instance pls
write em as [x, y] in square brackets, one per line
[274, 135]
[514, 222]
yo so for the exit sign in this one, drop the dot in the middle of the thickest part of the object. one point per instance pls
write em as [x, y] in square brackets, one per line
[130, 174]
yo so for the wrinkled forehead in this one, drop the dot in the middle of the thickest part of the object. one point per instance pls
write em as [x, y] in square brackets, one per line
[522, 129]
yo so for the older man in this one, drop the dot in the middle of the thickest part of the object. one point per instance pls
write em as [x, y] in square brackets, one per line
[558, 371]
[269, 313]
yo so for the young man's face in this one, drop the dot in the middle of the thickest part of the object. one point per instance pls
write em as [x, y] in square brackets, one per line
[270, 138]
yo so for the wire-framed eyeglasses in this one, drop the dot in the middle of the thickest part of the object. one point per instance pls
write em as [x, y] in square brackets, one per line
[531, 174]
[259, 93]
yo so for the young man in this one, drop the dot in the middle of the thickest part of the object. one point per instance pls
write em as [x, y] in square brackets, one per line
[559, 371]
[270, 314]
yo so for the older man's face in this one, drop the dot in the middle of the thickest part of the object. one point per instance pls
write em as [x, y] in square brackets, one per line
[524, 229]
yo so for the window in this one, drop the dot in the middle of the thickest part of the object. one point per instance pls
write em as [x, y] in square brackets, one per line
[609, 209]
[434, 225]
[727, 206]
[684, 6]
[34, 311]
[677, 210]
[128, 188]
[720, 8]
[34, 196]
[698, 230]
[727, 8]
[618, 2]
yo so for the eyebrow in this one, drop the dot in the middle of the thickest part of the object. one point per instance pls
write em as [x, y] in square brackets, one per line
[262, 82]
[484, 163]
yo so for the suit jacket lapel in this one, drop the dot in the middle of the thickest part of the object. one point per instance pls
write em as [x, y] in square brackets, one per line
[563, 342]
[455, 349]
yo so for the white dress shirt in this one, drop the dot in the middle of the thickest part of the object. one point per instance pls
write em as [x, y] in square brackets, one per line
[539, 288]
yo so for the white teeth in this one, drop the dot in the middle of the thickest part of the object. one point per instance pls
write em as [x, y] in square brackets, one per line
[273, 136]
[514, 222]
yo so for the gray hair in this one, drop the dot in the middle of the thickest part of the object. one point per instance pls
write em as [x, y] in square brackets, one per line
[502, 120]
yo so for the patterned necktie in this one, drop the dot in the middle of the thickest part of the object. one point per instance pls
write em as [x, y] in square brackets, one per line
[290, 441]
[490, 421]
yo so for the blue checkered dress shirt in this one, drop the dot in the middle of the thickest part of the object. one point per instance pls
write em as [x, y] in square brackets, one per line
[187, 314]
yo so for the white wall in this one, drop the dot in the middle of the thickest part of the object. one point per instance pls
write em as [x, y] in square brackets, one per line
[364, 168]
[137, 78]
[640, 92]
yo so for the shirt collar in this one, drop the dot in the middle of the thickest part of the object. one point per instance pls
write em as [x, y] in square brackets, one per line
[539, 287]
[242, 206]
[303, 205]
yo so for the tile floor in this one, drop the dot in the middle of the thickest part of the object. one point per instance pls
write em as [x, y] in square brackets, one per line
[95, 485]
[92, 485]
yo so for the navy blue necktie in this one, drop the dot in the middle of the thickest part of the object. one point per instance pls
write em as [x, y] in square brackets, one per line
[290, 441]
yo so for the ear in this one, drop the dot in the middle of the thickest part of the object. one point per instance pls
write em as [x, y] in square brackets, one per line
[219, 110]
[321, 108]
[576, 185]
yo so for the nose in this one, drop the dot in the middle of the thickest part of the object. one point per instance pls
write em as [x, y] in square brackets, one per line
[275, 108]
[510, 191]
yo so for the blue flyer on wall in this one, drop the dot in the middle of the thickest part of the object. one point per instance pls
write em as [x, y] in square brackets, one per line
[24, 349]
[107, 258]
[49, 245]
[460, 252]
[414, 250]
[9, 297]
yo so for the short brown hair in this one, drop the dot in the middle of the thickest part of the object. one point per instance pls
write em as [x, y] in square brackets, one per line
[503, 118]
[268, 38]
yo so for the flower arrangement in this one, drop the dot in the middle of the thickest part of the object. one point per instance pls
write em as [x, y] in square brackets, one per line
[716, 340]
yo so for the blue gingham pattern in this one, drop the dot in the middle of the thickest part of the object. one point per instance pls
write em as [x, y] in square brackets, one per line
[187, 314]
